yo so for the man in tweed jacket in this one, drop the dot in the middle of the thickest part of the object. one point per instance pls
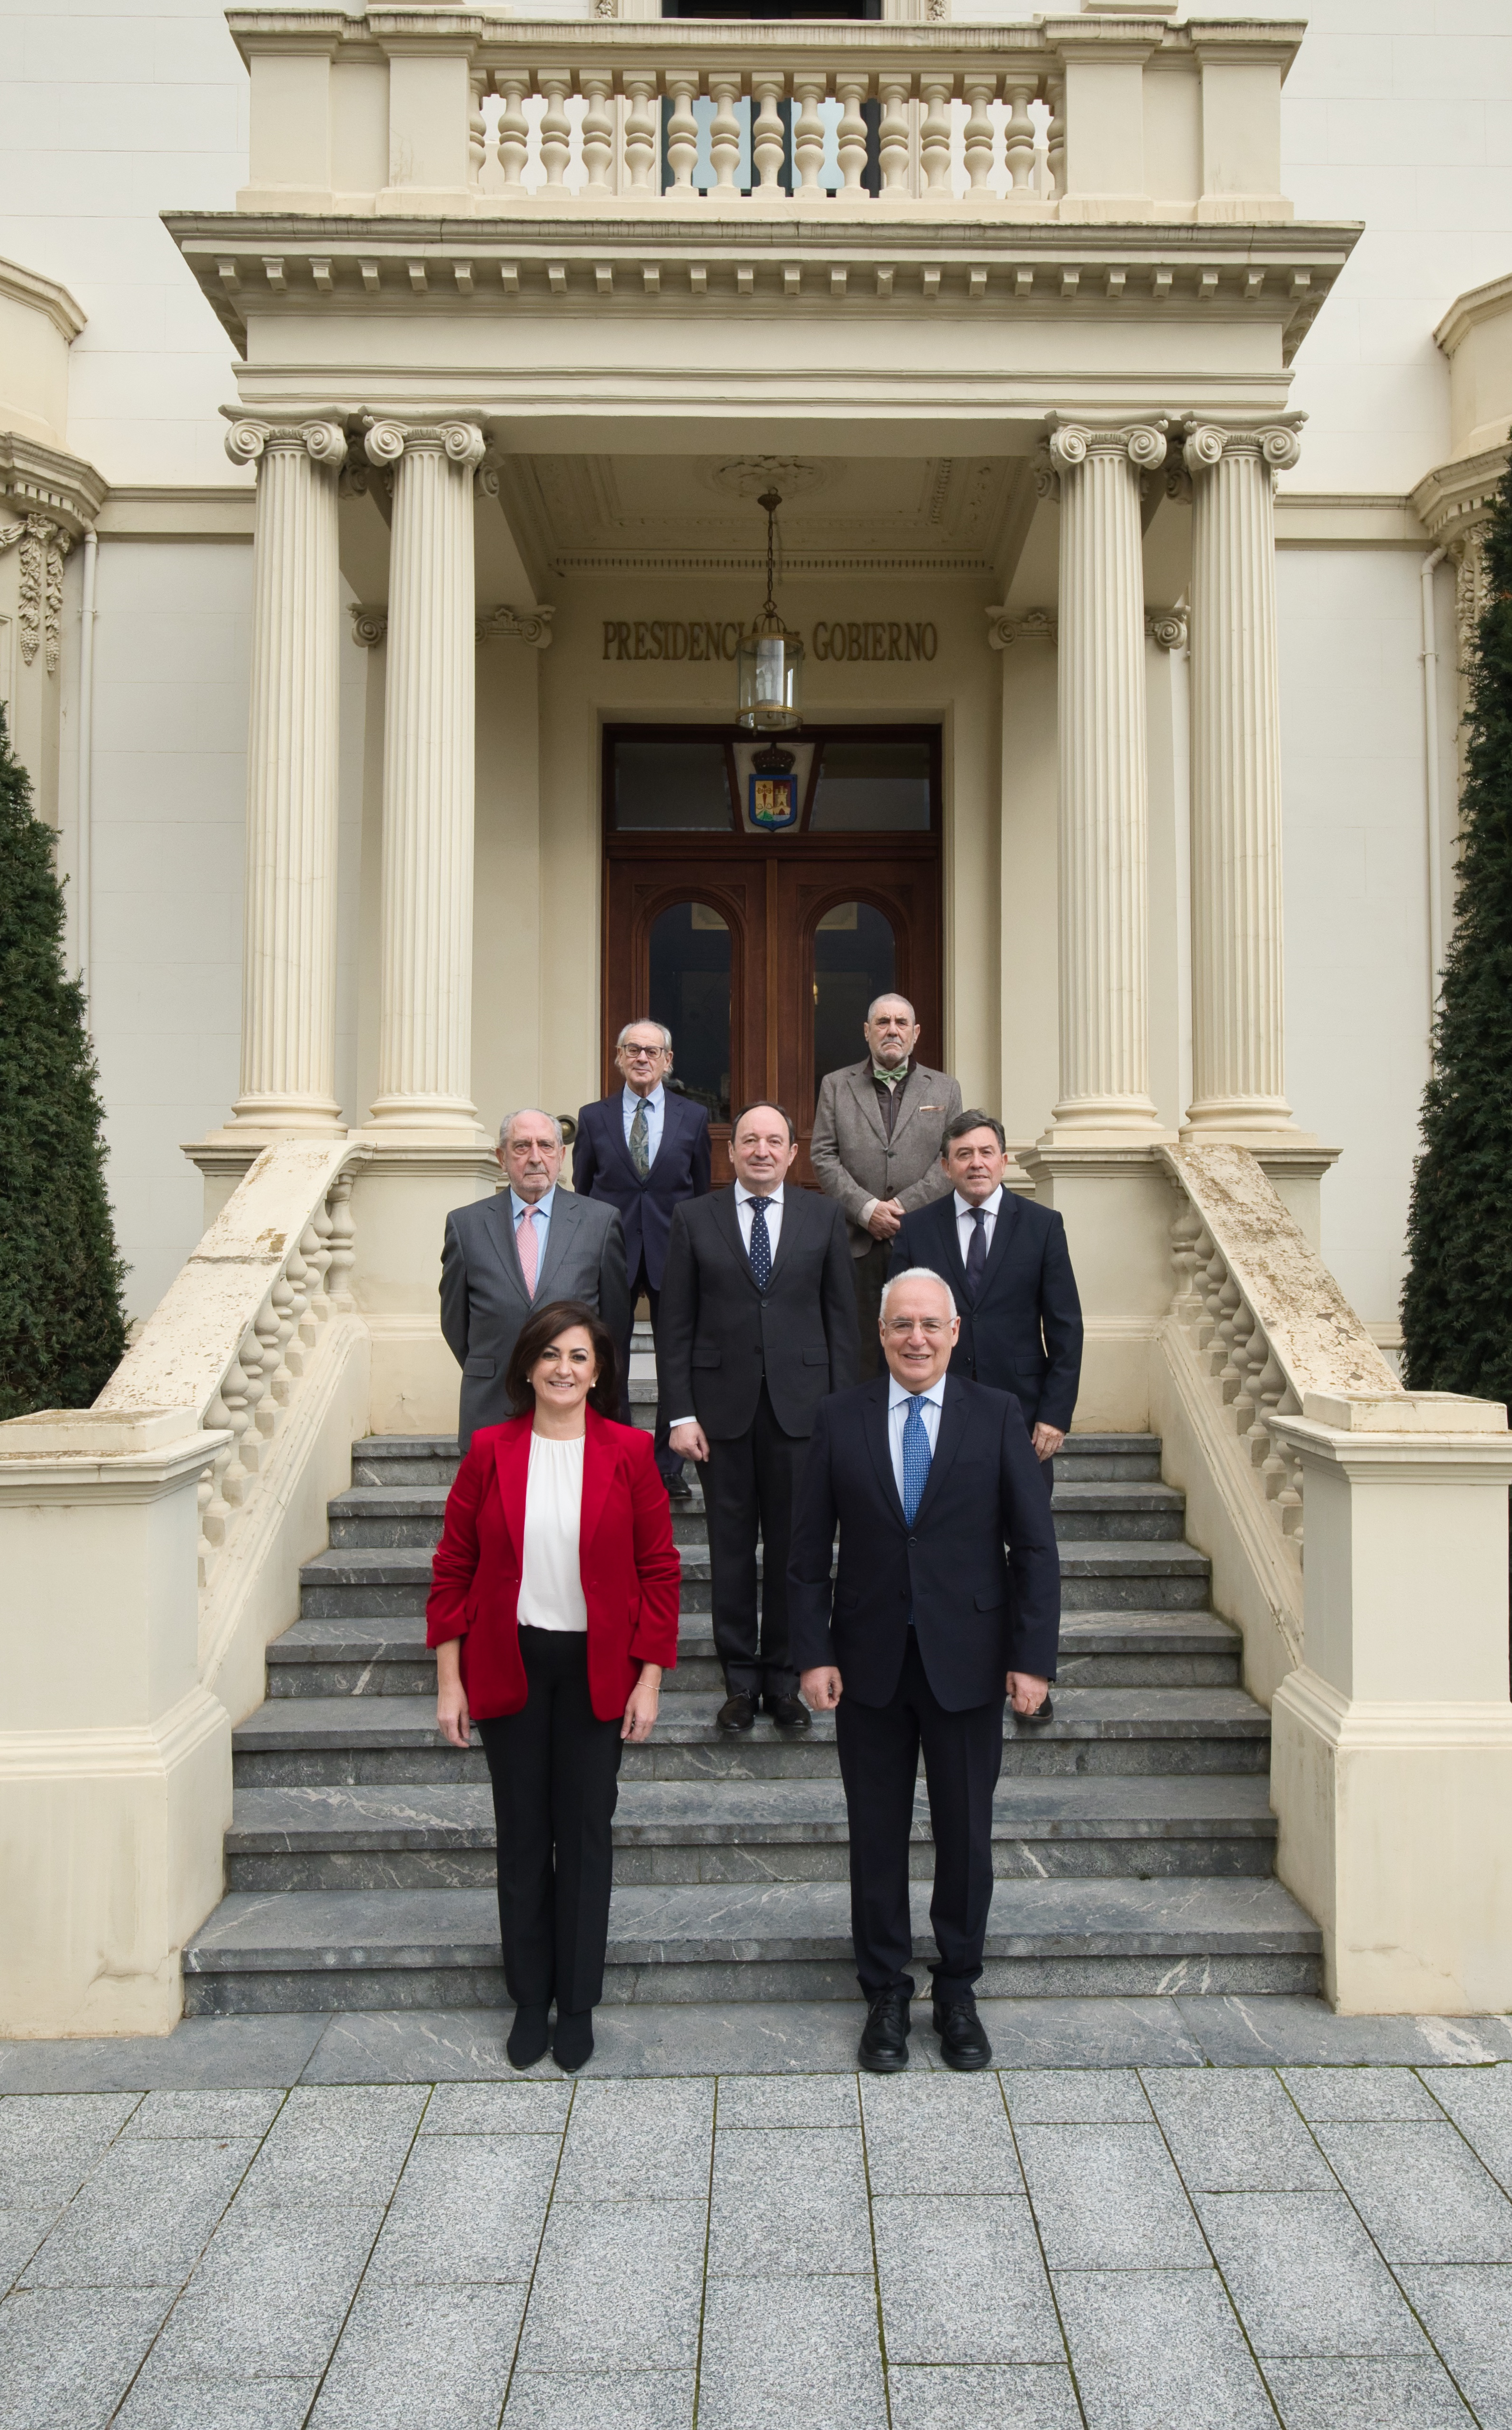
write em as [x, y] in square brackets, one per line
[876, 1147]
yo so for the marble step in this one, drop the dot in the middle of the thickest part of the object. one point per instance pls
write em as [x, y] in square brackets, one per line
[358, 1740]
[409, 1516]
[370, 1655]
[331, 1950]
[431, 1459]
[668, 1832]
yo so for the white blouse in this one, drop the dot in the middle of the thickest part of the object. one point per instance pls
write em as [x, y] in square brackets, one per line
[551, 1579]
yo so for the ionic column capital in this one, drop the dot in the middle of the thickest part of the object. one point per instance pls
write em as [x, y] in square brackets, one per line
[1277, 444]
[1144, 442]
[323, 440]
[461, 443]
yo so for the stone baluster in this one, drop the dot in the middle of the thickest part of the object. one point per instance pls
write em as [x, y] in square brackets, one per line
[1186, 1234]
[935, 136]
[426, 919]
[241, 1391]
[809, 136]
[1237, 1011]
[281, 1303]
[320, 1258]
[288, 920]
[980, 90]
[1242, 1358]
[1105, 1084]
[514, 130]
[1218, 1349]
[265, 1332]
[215, 1510]
[297, 1277]
[682, 134]
[724, 129]
[640, 130]
[1211, 1278]
[1055, 136]
[477, 132]
[597, 85]
[769, 143]
[893, 136]
[556, 127]
[1018, 139]
[850, 138]
[342, 1245]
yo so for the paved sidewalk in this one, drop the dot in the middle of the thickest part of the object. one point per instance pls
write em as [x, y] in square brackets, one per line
[1270, 2215]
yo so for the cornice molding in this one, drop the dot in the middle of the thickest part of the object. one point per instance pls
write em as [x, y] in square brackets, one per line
[1488, 303]
[43, 481]
[1455, 495]
[19, 285]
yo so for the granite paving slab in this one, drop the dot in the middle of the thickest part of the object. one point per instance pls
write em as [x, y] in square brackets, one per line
[1108, 2198]
[1422, 2192]
[638, 2142]
[618, 2285]
[1159, 2350]
[962, 2280]
[1480, 2105]
[1468, 2313]
[1233, 2130]
[1295, 2029]
[49, 2145]
[269, 2296]
[608, 2400]
[1092, 2096]
[787, 2202]
[782, 2351]
[1304, 2275]
[1346, 2393]
[143, 2215]
[67, 2355]
[276, 2403]
[1328, 2096]
[467, 2211]
[939, 2134]
[432, 2357]
[1001, 2396]
[335, 2143]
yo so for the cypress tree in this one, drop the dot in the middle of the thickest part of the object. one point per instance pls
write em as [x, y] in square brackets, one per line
[62, 1327]
[1456, 1308]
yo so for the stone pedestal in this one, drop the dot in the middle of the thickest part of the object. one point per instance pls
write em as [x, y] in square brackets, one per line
[426, 919]
[1116, 1206]
[1238, 1022]
[289, 923]
[115, 1763]
[1104, 1060]
[1391, 1764]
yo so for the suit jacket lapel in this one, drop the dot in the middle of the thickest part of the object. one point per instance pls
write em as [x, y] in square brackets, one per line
[500, 1228]
[617, 1145]
[566, 1215]
[943, 1213]
[864, 1093]
[875, 1414]
[916, 1091]
[598, 1470]
[511, 1463]
[1003, 1231]
[948, 1442]
[795, 1215]
[721, 1203]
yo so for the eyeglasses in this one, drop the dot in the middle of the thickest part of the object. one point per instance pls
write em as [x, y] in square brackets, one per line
[641, 1054]
[901, 1327]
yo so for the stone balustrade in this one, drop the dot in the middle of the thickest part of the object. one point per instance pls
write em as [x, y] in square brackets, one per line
[1264, 1316]
[236, 1333]
[407, 111]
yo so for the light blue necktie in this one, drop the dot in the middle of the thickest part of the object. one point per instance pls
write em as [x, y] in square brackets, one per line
[915, 1455]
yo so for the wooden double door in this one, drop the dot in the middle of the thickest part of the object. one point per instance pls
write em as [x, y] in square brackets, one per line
[761, 955]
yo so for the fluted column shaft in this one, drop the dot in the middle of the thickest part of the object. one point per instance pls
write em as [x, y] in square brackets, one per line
[425, 949]
[1105, 1064]
[1238, 1076]
[289, 917]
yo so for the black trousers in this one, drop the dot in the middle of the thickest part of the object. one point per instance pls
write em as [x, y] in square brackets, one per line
[555, 1769]
[870, 1272]
[748, 1483]
[880, 1764]
[668, 1467]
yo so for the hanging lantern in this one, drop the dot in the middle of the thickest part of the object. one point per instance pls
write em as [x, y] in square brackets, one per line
[771, 658]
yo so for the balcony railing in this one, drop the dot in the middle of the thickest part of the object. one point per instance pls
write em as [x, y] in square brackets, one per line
[432, 112]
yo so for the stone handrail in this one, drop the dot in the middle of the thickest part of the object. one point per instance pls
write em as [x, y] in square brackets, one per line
[489, 113]
[235, 1332]
[1263, 1314]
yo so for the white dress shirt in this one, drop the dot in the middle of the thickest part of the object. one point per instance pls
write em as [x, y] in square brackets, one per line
[655, 1106]
[899, 1397]
[964, 1225]
[540, 1220]
[743, 1216]
[551, 1574]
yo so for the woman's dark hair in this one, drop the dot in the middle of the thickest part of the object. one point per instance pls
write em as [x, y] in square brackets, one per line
[537, 1333]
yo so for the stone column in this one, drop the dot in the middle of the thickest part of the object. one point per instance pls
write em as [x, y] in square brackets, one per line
[1238, 1043]
[425, 928]
[288, 920]
[1105, 1078]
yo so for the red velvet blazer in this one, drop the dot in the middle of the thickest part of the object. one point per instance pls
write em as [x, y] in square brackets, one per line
[629, 1565]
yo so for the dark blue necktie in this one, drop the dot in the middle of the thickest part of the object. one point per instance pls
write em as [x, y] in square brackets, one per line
[915, 1457]
[977, 1254]
[760, 1244]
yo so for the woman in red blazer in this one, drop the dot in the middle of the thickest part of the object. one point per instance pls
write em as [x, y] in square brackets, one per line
[552, 1611]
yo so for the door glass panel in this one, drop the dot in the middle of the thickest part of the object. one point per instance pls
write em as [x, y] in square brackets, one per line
[873, 785]
[681, 786]
[690, 996]
[855, 960]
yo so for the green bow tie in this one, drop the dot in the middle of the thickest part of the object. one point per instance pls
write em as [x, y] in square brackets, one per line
[889, 1079]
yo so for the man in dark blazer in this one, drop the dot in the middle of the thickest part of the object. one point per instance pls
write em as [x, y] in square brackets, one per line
[928, 1624]
[1006, 1262]
[527, 1244]
[757, 1324]
[645, 1149]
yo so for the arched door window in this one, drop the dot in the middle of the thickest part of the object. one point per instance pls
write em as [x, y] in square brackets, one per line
[855, 960]
[690, 991]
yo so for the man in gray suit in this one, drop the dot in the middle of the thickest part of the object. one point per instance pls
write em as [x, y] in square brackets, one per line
[527, 1244]
[875, 1146]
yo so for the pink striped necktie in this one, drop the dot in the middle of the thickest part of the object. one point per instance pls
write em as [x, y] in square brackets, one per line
[528, 1240]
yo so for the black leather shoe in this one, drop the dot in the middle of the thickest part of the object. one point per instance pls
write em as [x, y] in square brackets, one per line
[528, 2037]
[573, 2043]
[678, 1489]
[963, 2042]
[1037, 1721]
[738, 1712]
[789, 1712]
[883, 2048]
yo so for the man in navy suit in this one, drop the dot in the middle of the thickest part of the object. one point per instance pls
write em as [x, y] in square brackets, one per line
[928, 1624]
[1006, 1262]
[645, 1149]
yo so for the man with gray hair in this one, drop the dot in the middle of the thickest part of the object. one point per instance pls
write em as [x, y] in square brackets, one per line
[528, 1244]
[876, 1147]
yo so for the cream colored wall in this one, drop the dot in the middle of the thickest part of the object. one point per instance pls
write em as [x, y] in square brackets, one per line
[580, 694]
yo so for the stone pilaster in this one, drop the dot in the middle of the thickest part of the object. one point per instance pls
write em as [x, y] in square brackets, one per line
[425, 931]
[1105, 1076]
[288, 921]
[1239, 1079]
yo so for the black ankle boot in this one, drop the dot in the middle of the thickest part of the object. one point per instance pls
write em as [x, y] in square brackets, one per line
[572, 2045]
[528, 2036]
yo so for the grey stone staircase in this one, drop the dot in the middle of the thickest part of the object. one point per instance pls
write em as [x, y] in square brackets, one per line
[1132, 1845]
